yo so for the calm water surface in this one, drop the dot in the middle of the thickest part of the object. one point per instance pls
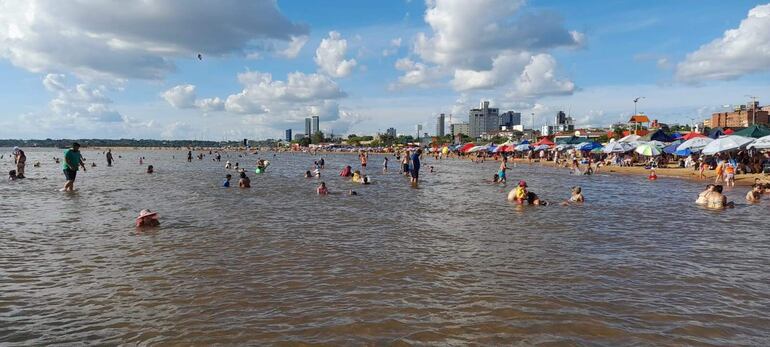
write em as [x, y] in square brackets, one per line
[450, 263]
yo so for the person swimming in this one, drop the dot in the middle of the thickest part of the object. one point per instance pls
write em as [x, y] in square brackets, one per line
[308, 174]
[322, 190]
[533, 199]
[352, 192]
[653, 176]
[346, 172]
[150, 169]
[357, 177]
[147, 219]
[518, 194]
[12, 175]
[755, 193]
[226, 183]
[577, 195]
[716, 200]
[703, 196]
[244, 181]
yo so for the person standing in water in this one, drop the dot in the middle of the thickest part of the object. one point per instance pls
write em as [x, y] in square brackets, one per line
[385, 164]
[189, 156]
[20, 159]
[72, 160]
[416, 166]
[109, 158]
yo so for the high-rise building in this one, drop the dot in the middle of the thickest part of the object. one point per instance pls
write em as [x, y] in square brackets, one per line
[440, 125]
[308, 127]
[288, 135]
[316, 126]
[459, 128]
[509, 119]
[563, 123]
[391, 132]
[482, 120]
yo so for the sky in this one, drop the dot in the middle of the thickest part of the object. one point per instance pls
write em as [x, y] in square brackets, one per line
[130, 69]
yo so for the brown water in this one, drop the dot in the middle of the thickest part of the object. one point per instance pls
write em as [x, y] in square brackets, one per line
[450, 263]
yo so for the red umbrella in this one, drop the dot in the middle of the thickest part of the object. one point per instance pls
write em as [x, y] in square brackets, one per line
[693, 135]
[729, 131]
[466, 147]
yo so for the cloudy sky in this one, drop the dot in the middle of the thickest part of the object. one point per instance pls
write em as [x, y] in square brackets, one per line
[114, 69]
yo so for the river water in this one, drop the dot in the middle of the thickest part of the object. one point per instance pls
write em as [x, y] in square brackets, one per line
[450, 263]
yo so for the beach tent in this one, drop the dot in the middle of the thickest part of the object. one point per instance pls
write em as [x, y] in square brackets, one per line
[617, 147]
[648, 150]
[755, 131]
[695, 144]
[716, 133]
[671, 149]
[544, 141]
[761, 143]
[630, 138]
[726, 143]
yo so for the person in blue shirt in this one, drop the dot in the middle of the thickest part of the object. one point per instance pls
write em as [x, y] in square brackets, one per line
[226, 184]
[416, 166]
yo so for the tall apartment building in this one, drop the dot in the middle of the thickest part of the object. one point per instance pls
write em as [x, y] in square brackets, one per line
[482, 120]
[510, 119]
[440, 125]
[308, 127]
[288, 135]
[316, 126]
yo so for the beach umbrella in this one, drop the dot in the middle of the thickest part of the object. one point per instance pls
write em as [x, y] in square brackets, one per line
[563, 146]
[525, 142]
[541, 147]
[478, 148]
[504, 148]
[676, 136]
[695, 143]
[684, 152]
[617, 147]
[523, 147]
[671, 149]
[692, 135]
[630, 138]
[729, 131]
[755, 131]
[467, 147]
[761, 143]
[587, 146]
[657, 143]
[648, 150]
[726, 143]
[598, 150]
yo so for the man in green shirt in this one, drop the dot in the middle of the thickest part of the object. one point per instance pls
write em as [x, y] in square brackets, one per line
[72, 159]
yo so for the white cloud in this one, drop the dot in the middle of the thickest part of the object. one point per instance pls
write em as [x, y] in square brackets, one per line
[181, 96]
[82, 102]
[738, 52]
[295, 45]
[330, 56]
[261, 90]
[417, 74]
[395, 44]
[504, 66]
[539, 79]
[210, 104]
[137, 38]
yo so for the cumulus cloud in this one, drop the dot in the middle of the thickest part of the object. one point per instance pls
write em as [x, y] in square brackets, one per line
[82, 102]
[181, 96]
[260, 90]
[395, 44]
[539, 79]
[738, 52]
[330, 56]
[138, 38]
[295, 45]
[476, 54]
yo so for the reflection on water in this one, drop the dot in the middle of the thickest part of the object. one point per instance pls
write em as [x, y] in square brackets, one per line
[449, 263]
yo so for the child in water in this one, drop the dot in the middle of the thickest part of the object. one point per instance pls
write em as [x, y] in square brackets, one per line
[150, 169]
[226, 183]
[308, 174]
[244, 182]
[12, 175]
[652, 175]
[147, 219]
[322, 190]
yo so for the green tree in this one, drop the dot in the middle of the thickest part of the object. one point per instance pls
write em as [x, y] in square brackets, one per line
[304, 142]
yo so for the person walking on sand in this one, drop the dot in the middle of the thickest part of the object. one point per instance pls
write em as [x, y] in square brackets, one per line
[20, 159]
[109, 158]
[72, 160]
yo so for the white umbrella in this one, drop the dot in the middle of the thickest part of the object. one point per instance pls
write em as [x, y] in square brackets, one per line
[694, 143]
[657, 143]
[478, 148]
[523, 147]
[630, 138]
[761, 143]
[562, 147]
[726, 143]
[541, 148]
[617, 147]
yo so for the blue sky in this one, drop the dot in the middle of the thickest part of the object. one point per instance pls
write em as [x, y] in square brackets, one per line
[98, 70]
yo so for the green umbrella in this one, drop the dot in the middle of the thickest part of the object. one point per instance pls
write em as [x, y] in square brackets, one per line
[648, 150]
[755, 131]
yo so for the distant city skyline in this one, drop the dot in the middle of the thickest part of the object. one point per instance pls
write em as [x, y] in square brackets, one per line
[69, 72]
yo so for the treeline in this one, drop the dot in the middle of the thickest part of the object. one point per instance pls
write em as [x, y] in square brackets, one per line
[63, 143]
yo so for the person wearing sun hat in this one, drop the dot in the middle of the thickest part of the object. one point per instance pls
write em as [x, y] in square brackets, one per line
[147, 218]
[518, 194]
